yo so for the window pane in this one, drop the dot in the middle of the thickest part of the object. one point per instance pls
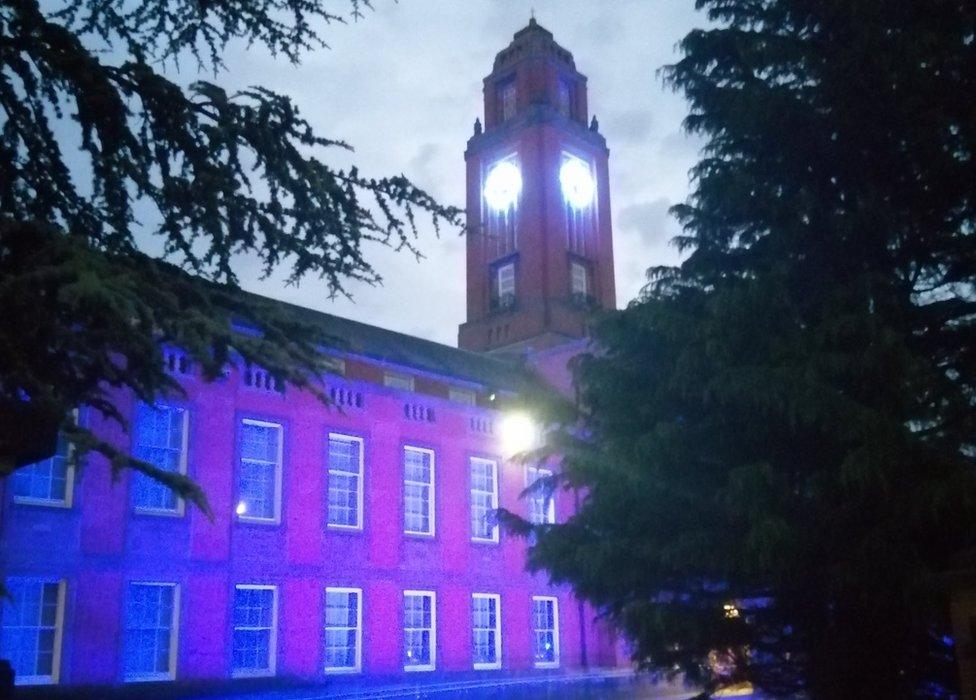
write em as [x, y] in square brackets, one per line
[541, 506]
[148, 630]
[345, 482]
[545, 643]
[254, 612]
[159, 440]
[341, 630]
[418, 485]
[484, 499]
[418, 630]
[486, 630]
[46, 480]
[258, 475]
[28, 628]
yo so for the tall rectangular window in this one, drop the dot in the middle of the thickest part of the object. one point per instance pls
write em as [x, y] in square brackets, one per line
[160, 439]
[150, 634]
[418, 491]
[486, 624]
[579, 281]
[31, 624]
[48, 482]
[343, 630]
[255, 630]
[564, 97]
[419, 631]
[545, 631]
[542, 505]
[507, 100]
[484, 499]
[505, 285]
[345, 481]
[259, 477]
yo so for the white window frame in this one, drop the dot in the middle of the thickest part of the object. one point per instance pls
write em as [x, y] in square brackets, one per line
[180, 508]
[555, 631]
[55, 676]
[579, 272]
[272, 641]
[398, 380]
[497, 599]
[432, 486]
[336, 670]
[174, 634]
[507, 100]
[468, 397]
[360, 489]
[279, 468]
[433, 630]
[550, 516]
[508, 278]
[69, 481]
[493, 538]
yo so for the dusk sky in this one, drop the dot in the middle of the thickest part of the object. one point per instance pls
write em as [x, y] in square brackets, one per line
[404, 86]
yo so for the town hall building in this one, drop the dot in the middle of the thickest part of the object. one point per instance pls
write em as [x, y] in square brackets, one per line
[355, 540]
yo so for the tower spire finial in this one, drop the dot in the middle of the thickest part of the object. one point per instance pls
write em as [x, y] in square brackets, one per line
[532, 16]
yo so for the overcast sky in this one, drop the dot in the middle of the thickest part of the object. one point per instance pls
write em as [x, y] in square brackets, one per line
[403, 86]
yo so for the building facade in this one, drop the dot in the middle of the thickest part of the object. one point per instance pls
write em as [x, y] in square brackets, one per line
[356, 539]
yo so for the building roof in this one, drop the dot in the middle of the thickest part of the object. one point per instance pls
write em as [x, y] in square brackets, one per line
[505, 373]
[532, 40]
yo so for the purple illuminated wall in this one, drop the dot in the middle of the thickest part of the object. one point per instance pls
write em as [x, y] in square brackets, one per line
[99, 544]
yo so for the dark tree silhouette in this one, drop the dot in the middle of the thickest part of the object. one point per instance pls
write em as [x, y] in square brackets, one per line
[778, 463]
[85, 311]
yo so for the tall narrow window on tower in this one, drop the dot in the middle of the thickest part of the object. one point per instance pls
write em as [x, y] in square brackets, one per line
[579, 280]
[506, 100]
[564, 98]
[503, 292]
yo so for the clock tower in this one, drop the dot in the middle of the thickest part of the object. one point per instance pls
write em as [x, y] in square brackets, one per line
[539, 245]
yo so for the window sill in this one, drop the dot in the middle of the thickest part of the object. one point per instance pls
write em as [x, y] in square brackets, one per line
[487, 667]
[343, 671]
[420, 669]
[42, 502]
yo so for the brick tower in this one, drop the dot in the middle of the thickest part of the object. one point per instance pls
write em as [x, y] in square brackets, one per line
[539, 244]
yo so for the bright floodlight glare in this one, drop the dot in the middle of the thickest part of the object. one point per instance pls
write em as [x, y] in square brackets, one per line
[241, 508]
[502, 186]
[518, 433]
[577, 183]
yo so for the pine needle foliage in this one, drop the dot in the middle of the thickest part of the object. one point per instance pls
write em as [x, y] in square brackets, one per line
[778, 463]
[93, 130]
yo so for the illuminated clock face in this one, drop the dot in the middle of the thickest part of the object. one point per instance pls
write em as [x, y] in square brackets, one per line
[577, 183]
[502, 186]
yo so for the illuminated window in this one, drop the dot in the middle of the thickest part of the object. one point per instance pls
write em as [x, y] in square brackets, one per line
[484, 499]
[259, 476]
[486, 625]
[579, 279]
[419, 631]
[160, 439]
[345, 481]
[576, 182]
[150, 631]
[48, 482]
[334, 365]
[465, 396]
[545, 631]
[343, 630]
[31, 624]
[504, 286]
[255, 630]
[418, 491]
[542, 506]
[506, 100]
[398, 381]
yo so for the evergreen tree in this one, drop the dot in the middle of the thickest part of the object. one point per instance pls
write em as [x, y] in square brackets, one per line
[93, 129]
[778, 463]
